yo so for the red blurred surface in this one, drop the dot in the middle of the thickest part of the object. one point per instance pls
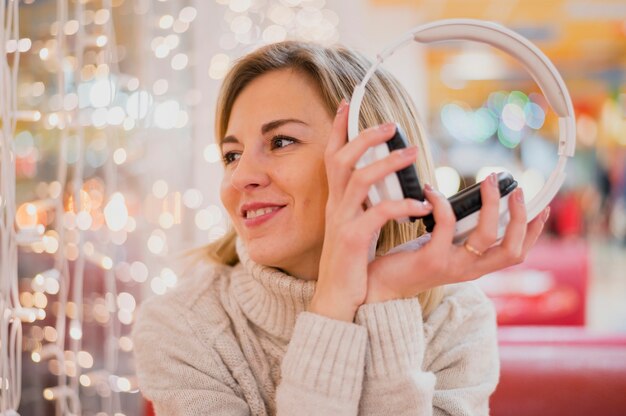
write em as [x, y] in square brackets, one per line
[555, 371]
[549, 288]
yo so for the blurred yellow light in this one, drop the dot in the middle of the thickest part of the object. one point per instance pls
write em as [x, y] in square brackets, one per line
[26, 216]
[192, 198]
[123, 384]
[71, 310]
[139, 271]
[157, 242]
[188, 14]
[116, 213]
[160, 188]
[125, 317]
[85, 359]
[180, 26]
[101, 17]
[101, 40]
[179, 61]
[43, 54]
[166, 220]
[119, 156]
[107, 263]
[125, 343]
[40, 300]
[239, 6]
[158, 286]
[23, 45]
[50, 333]
[75, 331]
[48, 394]
[85, 380]
[71, 27]
[169, 277]
[126, 301]
[26, 299]
[166, 21]
[83, 220]
[219, 66]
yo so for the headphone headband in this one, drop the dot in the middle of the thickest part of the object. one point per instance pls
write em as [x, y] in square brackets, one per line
[536, 63]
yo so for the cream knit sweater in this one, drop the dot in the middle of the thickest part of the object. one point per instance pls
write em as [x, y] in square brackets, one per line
[238, 341]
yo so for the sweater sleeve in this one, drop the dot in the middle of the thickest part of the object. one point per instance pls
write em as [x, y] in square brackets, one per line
[322, 371]
[451, 371]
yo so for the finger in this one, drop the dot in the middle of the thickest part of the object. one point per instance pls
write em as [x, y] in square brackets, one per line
[535, 227]
[342, 163]
[443, 233]
[486, 232]
[339, 132]
[497, 258]
[516, 229]
[377, 216]
[362, 179]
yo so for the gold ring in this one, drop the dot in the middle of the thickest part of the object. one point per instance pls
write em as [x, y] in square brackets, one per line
[472, 249]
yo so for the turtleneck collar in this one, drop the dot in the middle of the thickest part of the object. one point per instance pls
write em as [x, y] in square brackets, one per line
[268, 297]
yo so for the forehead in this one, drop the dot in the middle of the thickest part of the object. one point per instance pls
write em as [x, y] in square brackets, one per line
[278, 94]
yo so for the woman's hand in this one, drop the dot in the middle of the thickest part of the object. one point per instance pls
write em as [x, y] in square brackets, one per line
[342, 284]
[439, 262]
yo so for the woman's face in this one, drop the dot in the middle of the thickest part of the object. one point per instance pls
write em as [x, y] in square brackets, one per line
[275, 186]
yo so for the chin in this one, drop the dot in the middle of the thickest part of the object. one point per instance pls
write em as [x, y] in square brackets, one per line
[268, 253]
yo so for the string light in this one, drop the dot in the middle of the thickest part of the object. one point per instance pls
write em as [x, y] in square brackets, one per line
[98, 117]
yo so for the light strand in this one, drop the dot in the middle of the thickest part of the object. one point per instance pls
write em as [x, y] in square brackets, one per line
[10, 307]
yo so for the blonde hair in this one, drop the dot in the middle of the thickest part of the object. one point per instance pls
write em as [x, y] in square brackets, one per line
[335, 71]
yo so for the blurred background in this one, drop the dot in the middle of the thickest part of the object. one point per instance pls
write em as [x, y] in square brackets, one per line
[108, 110]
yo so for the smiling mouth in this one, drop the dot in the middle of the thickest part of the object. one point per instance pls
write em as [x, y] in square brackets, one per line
[254, 213]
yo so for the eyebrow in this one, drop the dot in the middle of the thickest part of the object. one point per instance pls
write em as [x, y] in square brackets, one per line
[265, 128]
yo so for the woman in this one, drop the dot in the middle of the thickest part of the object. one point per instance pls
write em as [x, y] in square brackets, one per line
[290, 316]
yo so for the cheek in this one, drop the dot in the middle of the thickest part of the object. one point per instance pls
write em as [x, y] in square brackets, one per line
[316, 191]
[228, 195]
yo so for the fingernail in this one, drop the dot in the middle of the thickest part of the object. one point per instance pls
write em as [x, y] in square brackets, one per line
[519, 195]
[545, 215]
[387, 127]
[342, 106]
[408, 151]
[421, 204]
[492, 179]
[428, 187]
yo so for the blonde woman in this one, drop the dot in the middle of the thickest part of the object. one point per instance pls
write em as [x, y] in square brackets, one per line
[288, 314]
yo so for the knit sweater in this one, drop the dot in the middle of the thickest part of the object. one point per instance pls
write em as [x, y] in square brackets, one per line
[239, 341]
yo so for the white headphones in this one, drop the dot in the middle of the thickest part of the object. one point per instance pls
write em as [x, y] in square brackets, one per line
[395, 186]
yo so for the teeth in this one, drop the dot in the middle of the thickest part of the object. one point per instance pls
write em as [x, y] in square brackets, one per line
[259, 212]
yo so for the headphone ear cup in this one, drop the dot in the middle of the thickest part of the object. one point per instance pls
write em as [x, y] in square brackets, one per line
[409, 182]
[469, 201]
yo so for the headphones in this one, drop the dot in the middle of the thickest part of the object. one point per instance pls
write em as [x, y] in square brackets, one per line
[467, 203]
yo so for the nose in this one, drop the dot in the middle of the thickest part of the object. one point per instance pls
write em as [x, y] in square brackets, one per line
[250, 172]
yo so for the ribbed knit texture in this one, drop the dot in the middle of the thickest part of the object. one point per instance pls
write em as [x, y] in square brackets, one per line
[238, 341]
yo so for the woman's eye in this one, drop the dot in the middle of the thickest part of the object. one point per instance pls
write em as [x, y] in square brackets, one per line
[230, 157]
[282, 141]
